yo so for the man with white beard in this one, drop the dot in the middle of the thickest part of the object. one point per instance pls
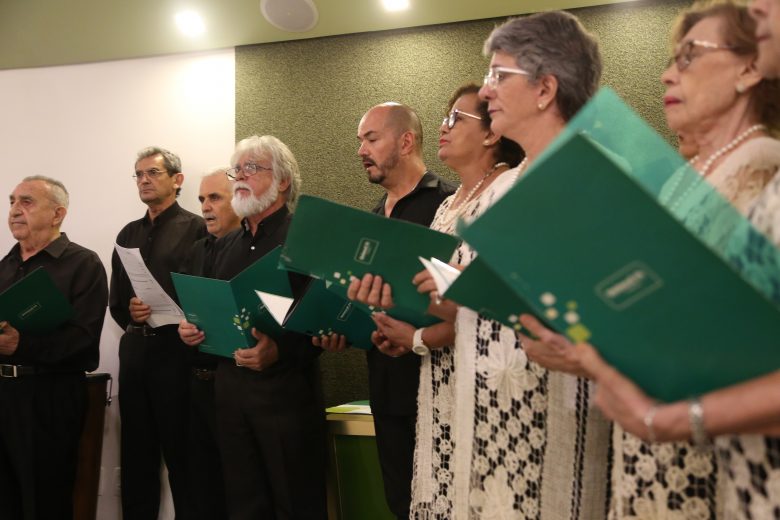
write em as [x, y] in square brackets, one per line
[270, 415]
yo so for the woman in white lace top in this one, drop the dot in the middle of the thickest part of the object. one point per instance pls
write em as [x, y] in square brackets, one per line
[486, 165]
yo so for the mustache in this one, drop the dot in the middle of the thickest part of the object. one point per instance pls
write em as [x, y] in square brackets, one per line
[239, 185]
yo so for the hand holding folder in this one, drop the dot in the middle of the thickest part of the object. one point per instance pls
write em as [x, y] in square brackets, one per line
[226, 311]
[355, 243]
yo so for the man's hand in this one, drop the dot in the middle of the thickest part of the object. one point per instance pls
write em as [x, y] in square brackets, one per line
[9, 339]
[190, 334]
[370, 290]
[139, 311]
[330, 342]
[264, 354]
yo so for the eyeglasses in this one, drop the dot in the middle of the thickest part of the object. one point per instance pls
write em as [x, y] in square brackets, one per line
[152, 173]
[497, 74]
[248, 170]
[685, 54]
[454, 117]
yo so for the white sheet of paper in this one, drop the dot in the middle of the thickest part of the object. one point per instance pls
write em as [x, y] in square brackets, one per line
[164, 309]
[443, 273]
[276, 305]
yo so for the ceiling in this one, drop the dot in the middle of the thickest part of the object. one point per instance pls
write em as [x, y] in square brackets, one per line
[36, 33]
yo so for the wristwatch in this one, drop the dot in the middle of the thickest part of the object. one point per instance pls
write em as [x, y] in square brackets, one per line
[418, 346]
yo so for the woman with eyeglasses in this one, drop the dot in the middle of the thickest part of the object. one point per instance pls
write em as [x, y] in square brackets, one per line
[487, 167]
[719, 101]
[538, 449]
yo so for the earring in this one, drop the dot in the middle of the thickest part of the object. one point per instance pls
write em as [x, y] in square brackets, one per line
[740, 88]
[486, 142]
[541, 106]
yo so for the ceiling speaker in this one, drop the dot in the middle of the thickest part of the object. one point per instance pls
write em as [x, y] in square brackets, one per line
[290, 15]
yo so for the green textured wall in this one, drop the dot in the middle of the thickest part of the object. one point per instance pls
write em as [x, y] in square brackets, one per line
[312, 93]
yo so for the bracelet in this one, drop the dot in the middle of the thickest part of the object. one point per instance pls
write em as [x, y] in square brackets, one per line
[696, 417]
[648, 420]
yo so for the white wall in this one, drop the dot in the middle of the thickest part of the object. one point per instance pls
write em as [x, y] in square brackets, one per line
[83, 125]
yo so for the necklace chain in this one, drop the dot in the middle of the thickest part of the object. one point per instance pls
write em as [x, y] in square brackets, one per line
[726, 148]
[453, 212]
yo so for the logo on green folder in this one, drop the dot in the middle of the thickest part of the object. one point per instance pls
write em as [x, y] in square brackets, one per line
[628, 285]
[29, 311]
[366, 250]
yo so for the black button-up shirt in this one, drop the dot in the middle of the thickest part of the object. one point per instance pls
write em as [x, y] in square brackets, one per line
[80, 276]
[164, 244]
[293, 379]
[200, 262]
[393, 382]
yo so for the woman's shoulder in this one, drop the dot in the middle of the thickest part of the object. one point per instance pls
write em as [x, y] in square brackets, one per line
[761, 152]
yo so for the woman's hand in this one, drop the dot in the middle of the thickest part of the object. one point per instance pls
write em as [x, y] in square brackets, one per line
[370, 290]
[551, 350]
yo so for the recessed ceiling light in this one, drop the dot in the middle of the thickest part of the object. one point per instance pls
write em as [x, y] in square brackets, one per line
[290, 15]
[190, 23]
[396, 5]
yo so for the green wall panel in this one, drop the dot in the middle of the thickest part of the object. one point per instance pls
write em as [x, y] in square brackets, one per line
[312, 93]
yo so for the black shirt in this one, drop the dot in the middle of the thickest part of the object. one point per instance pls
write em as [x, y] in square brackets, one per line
[164, 244]
[79, 275]
[238, 250]
[200, 262]
[393, 382]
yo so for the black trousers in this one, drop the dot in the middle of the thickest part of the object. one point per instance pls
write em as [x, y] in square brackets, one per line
[395, 438]
[207, 483]
[154, 383]
[273, 459]
[41, 419]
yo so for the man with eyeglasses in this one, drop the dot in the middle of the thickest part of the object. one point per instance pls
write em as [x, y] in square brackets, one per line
[154, 365]
[270, 413]
[391, 140]
[43, 390]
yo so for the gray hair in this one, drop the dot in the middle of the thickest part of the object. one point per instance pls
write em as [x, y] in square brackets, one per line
[57, 192]
[557, 44]
[285, 167]
[171, 161]
[216, 172]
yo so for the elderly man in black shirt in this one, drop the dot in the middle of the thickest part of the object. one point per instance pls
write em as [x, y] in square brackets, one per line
[208, 486]
[270, 416]
[42, 383]
[154, 365]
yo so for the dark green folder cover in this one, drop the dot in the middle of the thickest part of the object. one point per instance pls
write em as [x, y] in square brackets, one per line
[34, 305]
[480, 288]
[580, 238]
[227, 310]
[320, 311]
[333, 242]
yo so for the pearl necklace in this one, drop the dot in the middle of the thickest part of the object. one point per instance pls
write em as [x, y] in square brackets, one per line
[673, 200]
[726, 148]
[452, 213]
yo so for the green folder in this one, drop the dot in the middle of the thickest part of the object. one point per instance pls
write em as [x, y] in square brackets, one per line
[333, 242]
[580, 238]
[227, 310]
[321, 312]
[480, 288]
[34, 305]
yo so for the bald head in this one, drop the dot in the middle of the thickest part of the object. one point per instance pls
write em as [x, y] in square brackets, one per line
[400, 119]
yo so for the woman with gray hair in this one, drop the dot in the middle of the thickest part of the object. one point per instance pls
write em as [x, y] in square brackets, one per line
[526, 442]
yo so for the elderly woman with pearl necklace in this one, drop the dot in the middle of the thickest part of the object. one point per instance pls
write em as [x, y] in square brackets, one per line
[718, 98]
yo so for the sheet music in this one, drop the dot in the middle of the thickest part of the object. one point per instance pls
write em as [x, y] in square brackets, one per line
[164, 309]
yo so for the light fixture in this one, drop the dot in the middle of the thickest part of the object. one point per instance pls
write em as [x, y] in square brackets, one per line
[190, 23]
[396, 5]
[290, 15]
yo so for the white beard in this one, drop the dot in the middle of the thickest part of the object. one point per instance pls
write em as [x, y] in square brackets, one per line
[252, 204]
